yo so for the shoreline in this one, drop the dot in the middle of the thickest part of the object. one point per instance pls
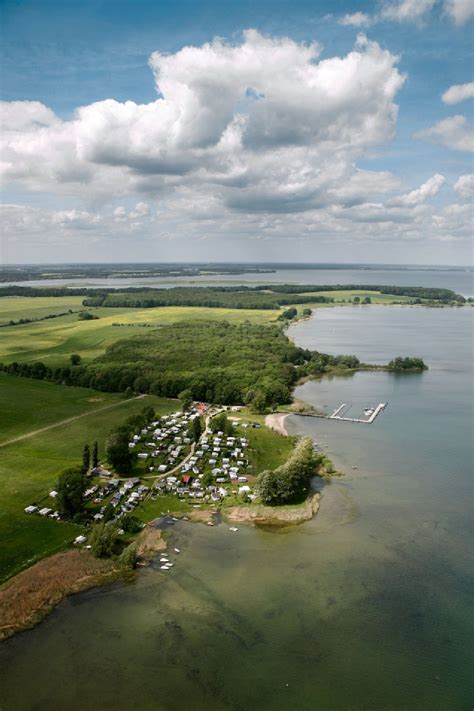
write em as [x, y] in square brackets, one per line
[275, 516]
[29, 597]
[275, 421]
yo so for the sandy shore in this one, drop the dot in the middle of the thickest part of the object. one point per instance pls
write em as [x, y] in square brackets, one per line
[274, 515]
[276, 422]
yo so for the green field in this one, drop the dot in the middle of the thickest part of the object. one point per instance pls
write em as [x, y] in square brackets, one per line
[54, 341]
[17, 307]
[344, 296]
[29, 468]
[29, 405]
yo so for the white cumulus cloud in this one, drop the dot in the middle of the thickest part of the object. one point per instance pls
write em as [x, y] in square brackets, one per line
[264, 123]
[453, 132]
[464, 186]
[418, 196]
[458, 92]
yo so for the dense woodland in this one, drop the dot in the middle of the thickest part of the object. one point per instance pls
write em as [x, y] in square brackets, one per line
[215, 360]
[255, 297]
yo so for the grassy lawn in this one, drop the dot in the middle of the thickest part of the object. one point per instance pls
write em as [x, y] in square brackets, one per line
[28, 405]
[17, 307]
[30, 468]
[54, 341]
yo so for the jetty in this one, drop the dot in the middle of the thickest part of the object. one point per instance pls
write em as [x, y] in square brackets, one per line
[341, 413]
[372, 413]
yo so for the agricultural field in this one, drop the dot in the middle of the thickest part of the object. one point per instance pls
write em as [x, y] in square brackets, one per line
[29, 468]
[53, 341]
[344, 296]
[14, 308]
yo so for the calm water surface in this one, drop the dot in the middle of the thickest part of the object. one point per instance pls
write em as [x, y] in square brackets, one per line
[458, 280]
[364, 608]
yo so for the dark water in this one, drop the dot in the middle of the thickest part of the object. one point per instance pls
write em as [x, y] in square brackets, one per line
[364, 608]
[445, 278]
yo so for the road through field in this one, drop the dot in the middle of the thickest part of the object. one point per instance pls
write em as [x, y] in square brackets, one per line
[67, 420]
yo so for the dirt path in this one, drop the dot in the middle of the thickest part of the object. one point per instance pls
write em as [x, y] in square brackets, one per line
[69, 419]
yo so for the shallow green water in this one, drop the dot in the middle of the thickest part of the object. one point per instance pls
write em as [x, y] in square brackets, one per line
[366, 607]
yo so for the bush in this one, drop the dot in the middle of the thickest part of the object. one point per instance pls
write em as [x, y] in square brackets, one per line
[128, 557]
[103, 539]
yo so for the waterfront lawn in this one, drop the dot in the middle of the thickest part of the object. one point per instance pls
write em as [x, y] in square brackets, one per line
[29, 470]
[54, 341]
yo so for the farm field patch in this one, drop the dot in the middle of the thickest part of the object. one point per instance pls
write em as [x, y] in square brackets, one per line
[17, 307]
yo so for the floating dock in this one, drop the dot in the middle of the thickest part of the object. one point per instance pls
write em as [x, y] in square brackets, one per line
[336, 415]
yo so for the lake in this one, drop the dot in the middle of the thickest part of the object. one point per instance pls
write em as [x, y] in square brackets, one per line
[459, 280]
[365, 608]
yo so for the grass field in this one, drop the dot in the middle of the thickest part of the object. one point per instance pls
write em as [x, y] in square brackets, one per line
[28, 405]
[17, 307]
[29, 468]
[340, 296]
[54, 341]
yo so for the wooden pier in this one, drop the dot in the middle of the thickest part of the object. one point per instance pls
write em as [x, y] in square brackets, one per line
[345, 407]
[376, 411]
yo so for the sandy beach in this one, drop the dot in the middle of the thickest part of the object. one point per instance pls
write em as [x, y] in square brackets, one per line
[276, 422]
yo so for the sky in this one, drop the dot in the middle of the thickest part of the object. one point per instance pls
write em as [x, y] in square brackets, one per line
[210, 130]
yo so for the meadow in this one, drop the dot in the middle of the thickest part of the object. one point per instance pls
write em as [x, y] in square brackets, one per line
[13, 308]
[29, 468]
[53, 341]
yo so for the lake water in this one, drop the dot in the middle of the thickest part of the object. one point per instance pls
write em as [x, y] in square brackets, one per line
[365, 608]
[461, 281]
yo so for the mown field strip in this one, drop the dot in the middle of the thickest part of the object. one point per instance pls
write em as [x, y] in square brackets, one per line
[68, 420]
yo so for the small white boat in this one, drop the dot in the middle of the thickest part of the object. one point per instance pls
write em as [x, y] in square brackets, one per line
[233, 528]
[163, 560]
[176, 550]
[164, 567]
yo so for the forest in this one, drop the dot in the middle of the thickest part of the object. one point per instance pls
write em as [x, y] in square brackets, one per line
[217, 361]
[254, 297]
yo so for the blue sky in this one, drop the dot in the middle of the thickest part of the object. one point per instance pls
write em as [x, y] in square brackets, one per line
[66, 54]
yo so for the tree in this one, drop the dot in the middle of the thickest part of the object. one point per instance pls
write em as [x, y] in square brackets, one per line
[196, 429]
[128, 557]
[356, 299]
[103, 539]
[130, 524]
[289, 482]
[367, 300]
[86, 458]
[70, 487]
[259, 402]
[95, 455]
[118, 451]
[186, 399]
[220, 423]
[307, 312]
[75, 359]
[148, 413]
